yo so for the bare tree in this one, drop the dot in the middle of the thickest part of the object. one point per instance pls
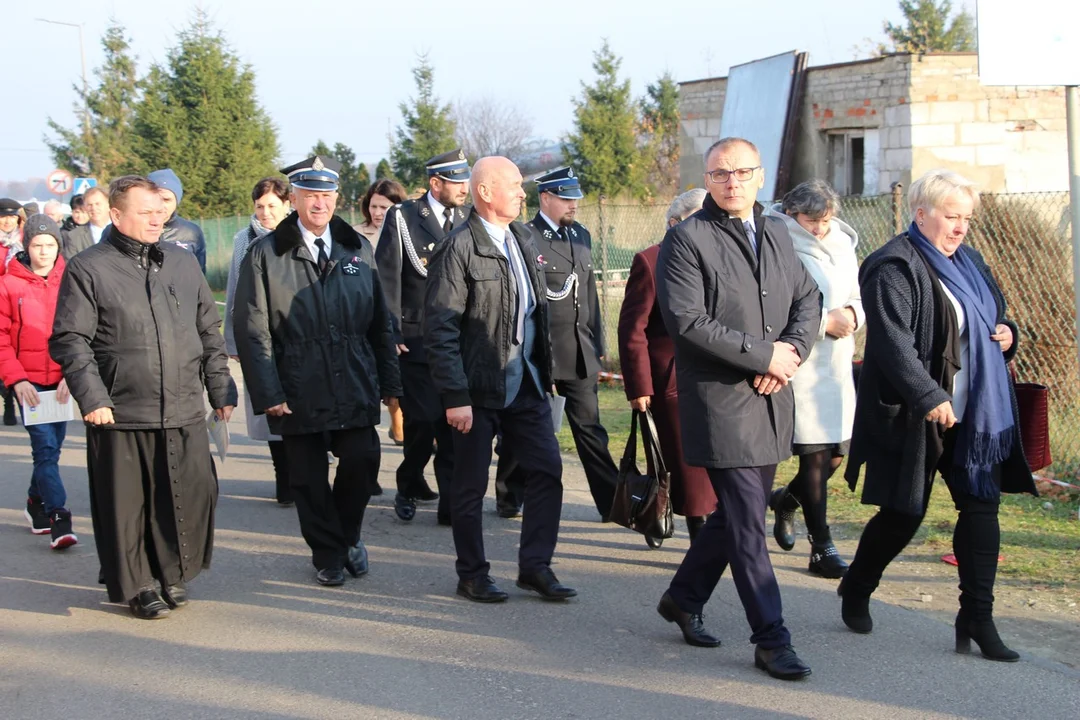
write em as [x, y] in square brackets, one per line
[486, 126]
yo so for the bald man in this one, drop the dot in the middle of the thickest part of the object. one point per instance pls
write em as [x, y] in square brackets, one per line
[486, 336]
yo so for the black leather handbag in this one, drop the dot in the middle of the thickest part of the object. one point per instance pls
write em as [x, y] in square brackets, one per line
[642, 501]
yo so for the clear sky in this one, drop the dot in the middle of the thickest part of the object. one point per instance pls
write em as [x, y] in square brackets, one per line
[338, 69]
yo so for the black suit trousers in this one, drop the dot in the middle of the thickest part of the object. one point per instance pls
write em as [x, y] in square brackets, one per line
[330, 520]
[735, 535]
[590, 438]
[526, 426]
[424, 424]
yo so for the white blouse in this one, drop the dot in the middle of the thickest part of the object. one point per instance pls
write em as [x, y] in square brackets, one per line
[960, 381]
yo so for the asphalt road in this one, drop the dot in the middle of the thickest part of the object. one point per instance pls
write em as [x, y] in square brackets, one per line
[261, 640]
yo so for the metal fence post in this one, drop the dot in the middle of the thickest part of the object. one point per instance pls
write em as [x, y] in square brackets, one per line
[603, 253]
[1072, 124]
[898, 207]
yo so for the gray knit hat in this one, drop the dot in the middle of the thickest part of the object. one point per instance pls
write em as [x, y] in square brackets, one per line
[40, 225]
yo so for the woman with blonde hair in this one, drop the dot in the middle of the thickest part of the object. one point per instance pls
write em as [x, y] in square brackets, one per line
[935, 396]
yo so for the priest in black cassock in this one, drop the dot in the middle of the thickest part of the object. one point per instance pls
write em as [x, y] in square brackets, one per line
[137, 335]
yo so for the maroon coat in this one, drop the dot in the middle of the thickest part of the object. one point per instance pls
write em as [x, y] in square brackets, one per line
[647, 355]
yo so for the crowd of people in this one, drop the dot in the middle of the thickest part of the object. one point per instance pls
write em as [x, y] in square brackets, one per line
[737, 333]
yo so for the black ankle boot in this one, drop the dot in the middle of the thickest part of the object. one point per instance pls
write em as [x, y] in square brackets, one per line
[694, 523]
[825, 560]
[783, 504]
[985, 635]
[855, 610]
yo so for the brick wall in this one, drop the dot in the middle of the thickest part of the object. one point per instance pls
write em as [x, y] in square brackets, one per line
[923, 111]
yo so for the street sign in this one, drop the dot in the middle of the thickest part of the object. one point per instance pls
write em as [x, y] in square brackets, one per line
[82, 185]
[60, 182]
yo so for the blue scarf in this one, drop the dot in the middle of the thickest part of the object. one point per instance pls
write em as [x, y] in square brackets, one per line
[986, 432]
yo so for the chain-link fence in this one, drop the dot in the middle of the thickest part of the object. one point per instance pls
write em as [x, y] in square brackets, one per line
[1024, 238]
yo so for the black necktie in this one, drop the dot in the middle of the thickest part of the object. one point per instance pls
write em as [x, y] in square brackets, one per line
[322, 260]
[564, 233]
[448, 224]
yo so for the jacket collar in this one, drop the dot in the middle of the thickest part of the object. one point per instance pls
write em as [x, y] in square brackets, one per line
[287, 235]
[734, 227]
[20, 267]
[151, 252]
[552, 238]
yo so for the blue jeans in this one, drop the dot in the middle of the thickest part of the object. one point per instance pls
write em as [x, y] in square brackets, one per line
[45, 443]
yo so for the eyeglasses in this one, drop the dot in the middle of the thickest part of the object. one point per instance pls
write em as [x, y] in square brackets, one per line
[742, 174]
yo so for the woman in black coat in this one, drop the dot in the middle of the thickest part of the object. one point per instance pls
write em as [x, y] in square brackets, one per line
[935, 395]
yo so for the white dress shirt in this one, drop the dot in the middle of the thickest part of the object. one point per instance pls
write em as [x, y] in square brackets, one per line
[95, 232]
[309, 239]
[551, 223]
[436, 207]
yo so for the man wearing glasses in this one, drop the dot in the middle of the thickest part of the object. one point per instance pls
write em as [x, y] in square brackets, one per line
[744, 313]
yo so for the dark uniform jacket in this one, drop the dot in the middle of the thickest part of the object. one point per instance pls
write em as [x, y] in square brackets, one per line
[137, 330]
[725, 308]
[325, 346]
[469, 316]
[410, 234]
[577, 335]
[187, 235]
[908, 323]
[76, 240]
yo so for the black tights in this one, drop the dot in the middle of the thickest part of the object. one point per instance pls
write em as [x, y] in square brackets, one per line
[809, 488]
[976, 542]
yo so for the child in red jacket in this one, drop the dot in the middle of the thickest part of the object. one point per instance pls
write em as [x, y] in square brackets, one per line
[28, 293]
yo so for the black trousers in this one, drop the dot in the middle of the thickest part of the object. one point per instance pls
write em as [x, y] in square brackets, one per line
[976, 543]
[152, 500]
[281, 471]
[424, 425]
[330, 520]
[590, 438]
[735, 535]
[526, 426]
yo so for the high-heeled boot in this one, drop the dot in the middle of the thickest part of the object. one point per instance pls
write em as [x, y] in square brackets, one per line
[825, 560]
[985, 635]
[694, 523]
[855, 609]
[783, 504]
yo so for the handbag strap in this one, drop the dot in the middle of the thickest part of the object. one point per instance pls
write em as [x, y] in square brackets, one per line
[652, 444]
[630, 453]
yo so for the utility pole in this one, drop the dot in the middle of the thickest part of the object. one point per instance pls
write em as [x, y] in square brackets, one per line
[85, 82]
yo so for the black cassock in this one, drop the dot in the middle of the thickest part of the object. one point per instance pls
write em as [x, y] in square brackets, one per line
[152, 500]
[136, 330]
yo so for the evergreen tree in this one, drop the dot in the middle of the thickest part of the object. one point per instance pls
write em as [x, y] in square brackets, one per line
[384, 171]
[199, 116]
[660, 133]
[603, 148]
[427, 130]
[101, 145]
[930, 26]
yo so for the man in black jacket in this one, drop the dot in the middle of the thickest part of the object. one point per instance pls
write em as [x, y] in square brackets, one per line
[577, 341]
[316, 345]
[178, 230]
[410, 234]
[744, 313]
[95, 206]
[485, 330]
[137, 335]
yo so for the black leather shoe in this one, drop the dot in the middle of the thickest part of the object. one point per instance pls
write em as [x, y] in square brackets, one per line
[357, 562]
[783, 504]
[404, 507]
[175, 596]
[285, 503]
[330, 577]
[512, 511]
[544, 582]
[855, 610]
[692, 625]
[148, 605]
[782, 663]
[481, 589]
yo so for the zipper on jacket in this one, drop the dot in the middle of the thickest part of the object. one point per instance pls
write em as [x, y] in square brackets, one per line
[172, 291]
[18, 336]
